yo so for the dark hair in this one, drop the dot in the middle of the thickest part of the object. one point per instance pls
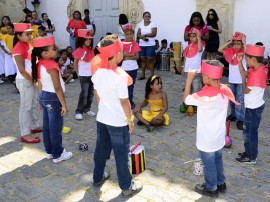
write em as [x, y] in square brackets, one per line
[63, 51]
[42, 28]
[87, 20]
[36, 54]
[16, 39]
[156, 40]
[164, 41]
[10, 25]
[108, 33]
[215, 19]
[48, 21]
[86, 10]
[27, 11]
[258, 58]
[150, 82]
[80, 42]
[2, 24]
[78, 13]
[27, 16]
[146, 12]
[57, 59]
[123, 19]
[198, 15]
[69, 47]
[259, 44]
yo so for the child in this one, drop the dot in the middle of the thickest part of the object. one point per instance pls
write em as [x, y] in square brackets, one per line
[212, 103]
[164, 46]
[21, 54]
[254, 84]
[68, 64]
[193, 59]
[29, 19]
[83, 56]
[157, 99]
[131, 55]
[70, 51]
[157, 54]
[42, 31]
[66, 75]
[114, 117]
[47, 73]
[235, 80]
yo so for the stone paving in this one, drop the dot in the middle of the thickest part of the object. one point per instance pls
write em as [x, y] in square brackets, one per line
[26, 175]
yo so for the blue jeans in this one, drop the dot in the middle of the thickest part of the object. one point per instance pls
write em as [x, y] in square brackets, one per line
[118, 139]
[250, 132]
[238, 111]
[213, 169]
[133, 74]
[86, 95]
[72, 42]
[52, 123]
[147, 51]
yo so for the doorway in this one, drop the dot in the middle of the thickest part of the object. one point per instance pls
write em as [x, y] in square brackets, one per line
[105, 14]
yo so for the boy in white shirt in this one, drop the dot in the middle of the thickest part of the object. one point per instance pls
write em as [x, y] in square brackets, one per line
[212, 103]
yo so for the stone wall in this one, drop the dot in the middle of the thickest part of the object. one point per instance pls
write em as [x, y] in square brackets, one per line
[13, 9]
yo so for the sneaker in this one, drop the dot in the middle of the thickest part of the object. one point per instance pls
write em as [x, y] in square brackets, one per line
[201, 189]
[64, 156]
[150, 127]
[242, 155]
[231, 118]
[79, 117]
[135, 188]
[1, 81]
[246, 160]
[72, 81]
[105, 177]
[239, 125]
[49, 156]
[222, 188]
[90, 113]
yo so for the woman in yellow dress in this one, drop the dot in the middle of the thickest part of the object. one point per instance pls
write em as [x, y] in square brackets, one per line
[157, 99]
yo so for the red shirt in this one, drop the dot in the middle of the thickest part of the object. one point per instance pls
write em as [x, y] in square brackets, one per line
[77, 25]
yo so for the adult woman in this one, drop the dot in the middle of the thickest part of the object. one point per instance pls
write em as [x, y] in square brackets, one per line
[36, 21]
[73, 26]
[197, 22]
[48, 24]
[147, 31]
[214, 26]
[4, 22]
[122, 21]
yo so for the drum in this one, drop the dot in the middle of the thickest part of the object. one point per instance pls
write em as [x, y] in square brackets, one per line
[164, 61]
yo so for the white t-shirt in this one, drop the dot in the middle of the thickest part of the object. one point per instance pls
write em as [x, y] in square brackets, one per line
[84, 68]
[47, 28]
[254, 98]
[46, 80]
[147, 30]
[67, 63]
[110, 88]
[129, 65]
[211, 119]
[234, 73]
[194, 62]
[28, 67]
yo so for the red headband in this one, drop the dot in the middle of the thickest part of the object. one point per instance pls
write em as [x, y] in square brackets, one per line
[22, 27]
[212, 71]
[43, 41]
[255, 50]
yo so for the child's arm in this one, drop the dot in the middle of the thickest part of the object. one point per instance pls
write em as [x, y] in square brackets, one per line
[127, 110]
[165, 107]
[97, 96]
[243, 72]
[221, 48]
[131, 56]
[199, 41]
[190, 77]
[20, 61]
[39, 86]
[76, 68]
[142, 105]
[58, 89]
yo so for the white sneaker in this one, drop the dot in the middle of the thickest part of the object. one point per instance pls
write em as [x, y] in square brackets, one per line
[71, 81]
[79, 117]
[64, 156]
[1, 81]
[90, 113]
[49, 156]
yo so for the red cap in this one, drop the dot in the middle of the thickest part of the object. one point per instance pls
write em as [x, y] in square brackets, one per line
[212, 71]
[255, 50]
[112, 49]
[22, 27]
[128, 27]
[85, 33]
[43, 41]
[238, 36]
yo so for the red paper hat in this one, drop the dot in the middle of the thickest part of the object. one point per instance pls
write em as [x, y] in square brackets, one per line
[238, 36]
[22, 27]
[255, 50]
[43, 41]
[127, 27]
[85, 33]
[112, 49]
[212, 71]
[193, 31]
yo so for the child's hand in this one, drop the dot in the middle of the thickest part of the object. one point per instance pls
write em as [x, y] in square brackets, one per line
[240, 57]
[243, 40]
[159, 117]
[230, 42]
[64, 111]
[137, 110]
[198, 35]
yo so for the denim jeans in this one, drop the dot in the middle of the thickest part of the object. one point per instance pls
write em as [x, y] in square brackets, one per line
[72, 41]
[252, 123]
[86, 95]
[238, 111]
[52, 123]
[118, 139]
[133, 74]
[213, 169]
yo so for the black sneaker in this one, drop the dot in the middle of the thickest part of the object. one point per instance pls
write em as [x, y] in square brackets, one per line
[231, 118]
[139, 123]
[135, 188]
[246, 160]
[150, 127]
[242, 155]
[222, 188]
[105, 177]
[239, 125]
[132, 105]
[201, 189]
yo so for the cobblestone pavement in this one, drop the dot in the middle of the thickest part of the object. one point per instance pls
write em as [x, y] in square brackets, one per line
[26, 175]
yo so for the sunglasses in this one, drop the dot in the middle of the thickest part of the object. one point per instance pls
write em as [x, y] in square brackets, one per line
[211, 14]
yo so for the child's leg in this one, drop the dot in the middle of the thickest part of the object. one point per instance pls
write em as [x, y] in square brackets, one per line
[120, 139]
[133, 74]
[220, 170]
[102, 151]
[68, 77]
[34, 115]
[157, 122]
[210, 169]
[197, 83]
[90, 94]
[240, 110]
[139, 116]
[83, 95]
[233, 89]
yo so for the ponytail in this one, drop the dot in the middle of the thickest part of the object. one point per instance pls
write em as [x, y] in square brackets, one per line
[16, 38]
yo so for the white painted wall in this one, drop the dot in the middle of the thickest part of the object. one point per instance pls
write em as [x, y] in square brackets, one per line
[252, 18]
